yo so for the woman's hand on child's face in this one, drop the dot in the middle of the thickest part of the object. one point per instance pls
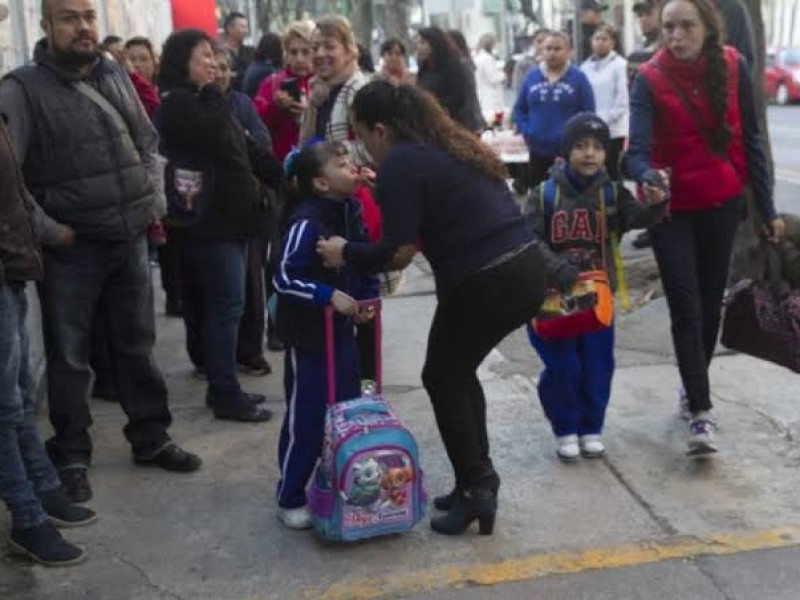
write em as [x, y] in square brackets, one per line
[332, 251]
[344, 304]
[367, 176]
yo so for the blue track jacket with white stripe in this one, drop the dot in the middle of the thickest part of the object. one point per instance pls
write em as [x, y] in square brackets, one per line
[304, 286]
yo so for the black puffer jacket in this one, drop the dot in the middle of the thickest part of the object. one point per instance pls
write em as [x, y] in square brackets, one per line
[19, 251]
[200, 122]
[84, 169]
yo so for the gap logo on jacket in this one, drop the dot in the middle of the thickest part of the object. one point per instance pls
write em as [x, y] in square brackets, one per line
[304, 285]
[571, 220]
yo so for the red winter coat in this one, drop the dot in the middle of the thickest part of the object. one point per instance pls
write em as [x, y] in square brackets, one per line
[148, 94]
[700, 179]
[282, 125]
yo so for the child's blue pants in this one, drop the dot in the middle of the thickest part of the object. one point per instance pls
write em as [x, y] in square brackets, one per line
[305, 384]
[575, 385]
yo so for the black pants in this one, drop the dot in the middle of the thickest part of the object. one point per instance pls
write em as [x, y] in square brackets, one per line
[467, 325]
[539, 168]
[169, 261]
[693, 251]
[80, 280]
[250, 344]
[612, 158]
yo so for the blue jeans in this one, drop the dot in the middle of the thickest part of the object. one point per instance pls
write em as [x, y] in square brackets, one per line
[25, 469]
[212, 282]
[109, 281]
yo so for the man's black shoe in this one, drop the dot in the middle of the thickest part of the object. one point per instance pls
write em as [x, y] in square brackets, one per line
[76, 486]
[643, 240]
[64, 513]
[45, 545]
[247, 397]
[172, 458]
[242, 409]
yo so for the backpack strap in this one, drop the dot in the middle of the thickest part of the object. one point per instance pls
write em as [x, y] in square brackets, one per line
[610, 194]
[549, 198]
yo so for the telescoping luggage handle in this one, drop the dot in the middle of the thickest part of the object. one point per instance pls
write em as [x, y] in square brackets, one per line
[330, 352]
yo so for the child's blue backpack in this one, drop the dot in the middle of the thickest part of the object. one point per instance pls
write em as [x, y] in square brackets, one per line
[368, 481]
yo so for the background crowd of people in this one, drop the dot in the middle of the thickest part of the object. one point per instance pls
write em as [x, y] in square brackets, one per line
[231, 162]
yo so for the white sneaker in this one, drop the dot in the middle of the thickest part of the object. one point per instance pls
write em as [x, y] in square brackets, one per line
[568, 449]
[701, 435]
[295, 518]
[592, 446]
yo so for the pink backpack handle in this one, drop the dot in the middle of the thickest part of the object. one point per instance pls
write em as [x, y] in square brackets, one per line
[330, 345]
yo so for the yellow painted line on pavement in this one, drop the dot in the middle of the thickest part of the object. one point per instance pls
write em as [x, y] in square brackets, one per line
[535, 566]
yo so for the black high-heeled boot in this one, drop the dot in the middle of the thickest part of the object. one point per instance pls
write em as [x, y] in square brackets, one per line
[468, 506]
[445, 501]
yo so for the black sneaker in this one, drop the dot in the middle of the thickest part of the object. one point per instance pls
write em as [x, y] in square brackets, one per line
[257, 366]
[241, 409]
[64, 513]
[76, 486]
[248, 397]
[172, 458]
[45, 545]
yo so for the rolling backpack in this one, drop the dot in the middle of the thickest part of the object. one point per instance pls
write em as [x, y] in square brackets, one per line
[368, 481]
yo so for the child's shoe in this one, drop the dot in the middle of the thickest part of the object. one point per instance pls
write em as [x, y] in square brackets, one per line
[701, 435]
[568, 449]
[592, 446]
[295, 518]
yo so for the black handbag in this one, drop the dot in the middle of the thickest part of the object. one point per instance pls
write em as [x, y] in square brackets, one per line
[762, 317]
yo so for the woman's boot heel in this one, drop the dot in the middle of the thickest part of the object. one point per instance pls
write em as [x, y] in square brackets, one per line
[486, 524]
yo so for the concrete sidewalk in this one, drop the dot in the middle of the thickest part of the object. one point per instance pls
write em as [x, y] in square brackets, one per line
[214, 534]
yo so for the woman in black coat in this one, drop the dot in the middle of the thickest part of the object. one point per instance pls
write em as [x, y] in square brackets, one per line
[443, 73]
[213, 184]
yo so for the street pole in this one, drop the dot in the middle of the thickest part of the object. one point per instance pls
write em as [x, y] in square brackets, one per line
[504, 29]
[577, 31]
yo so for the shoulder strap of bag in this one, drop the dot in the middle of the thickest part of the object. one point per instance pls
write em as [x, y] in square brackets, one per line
[608, 198]
[103, 104]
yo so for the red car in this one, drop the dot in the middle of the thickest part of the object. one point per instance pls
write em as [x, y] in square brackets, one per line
[782, 75]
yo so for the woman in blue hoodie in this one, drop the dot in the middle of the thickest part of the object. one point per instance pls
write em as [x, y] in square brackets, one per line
[549, 96]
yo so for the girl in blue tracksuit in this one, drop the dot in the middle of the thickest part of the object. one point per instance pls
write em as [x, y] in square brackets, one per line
[575, 385]
[324, 180]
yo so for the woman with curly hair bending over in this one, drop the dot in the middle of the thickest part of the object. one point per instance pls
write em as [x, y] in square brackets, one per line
[692, 112]
[441, 189]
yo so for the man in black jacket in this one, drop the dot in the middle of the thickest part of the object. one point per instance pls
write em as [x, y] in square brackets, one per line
[89, 156]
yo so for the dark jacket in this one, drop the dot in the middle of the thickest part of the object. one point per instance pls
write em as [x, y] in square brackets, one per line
[201, 123]
[573, 230]
[304, 286]
[255, 74]
[20, 259]
[84, 168]
[453, 84]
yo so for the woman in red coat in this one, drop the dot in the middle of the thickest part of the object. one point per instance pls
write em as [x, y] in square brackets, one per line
[280, 109]
[692, 113]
